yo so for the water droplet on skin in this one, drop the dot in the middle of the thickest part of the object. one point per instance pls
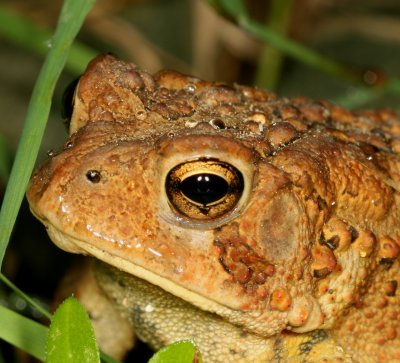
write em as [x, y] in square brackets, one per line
[141, 115]
[64, 208]
[138, 245]
[101, 235]
[191, 88]
[190, 124]
[179, 269]
[125, 302]
[154, 252]
[149, 308]
[258, 117]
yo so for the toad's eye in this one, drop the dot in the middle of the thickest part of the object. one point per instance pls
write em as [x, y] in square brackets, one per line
[204, 189]
[68, 102]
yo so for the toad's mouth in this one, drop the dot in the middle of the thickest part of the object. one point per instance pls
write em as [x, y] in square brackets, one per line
[254, 322]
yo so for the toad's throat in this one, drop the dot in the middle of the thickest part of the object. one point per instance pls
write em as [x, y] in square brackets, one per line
[147, 303]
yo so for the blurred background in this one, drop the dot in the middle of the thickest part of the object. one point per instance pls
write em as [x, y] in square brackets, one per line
[192, 37]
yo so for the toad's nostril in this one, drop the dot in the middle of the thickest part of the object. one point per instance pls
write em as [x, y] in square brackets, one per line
[94, 176]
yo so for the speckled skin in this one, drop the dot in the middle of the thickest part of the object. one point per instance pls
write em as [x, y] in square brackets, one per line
[303, 268]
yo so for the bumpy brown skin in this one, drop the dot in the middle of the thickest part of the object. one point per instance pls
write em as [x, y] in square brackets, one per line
[304, 268]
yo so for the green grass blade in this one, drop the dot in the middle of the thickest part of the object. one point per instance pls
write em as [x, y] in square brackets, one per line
[298, 51]
[271, 58]
[22, 31]
[236, 9]
[23, 333]
[72, 15]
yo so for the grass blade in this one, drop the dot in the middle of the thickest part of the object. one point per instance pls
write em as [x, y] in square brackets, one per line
[236, 9]
[271, 58]
[71, 18]
[23, 333]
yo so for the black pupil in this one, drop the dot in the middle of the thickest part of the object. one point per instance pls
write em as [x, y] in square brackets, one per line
[204, 188]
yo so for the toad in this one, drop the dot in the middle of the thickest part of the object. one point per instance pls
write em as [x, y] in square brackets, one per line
[264, 229]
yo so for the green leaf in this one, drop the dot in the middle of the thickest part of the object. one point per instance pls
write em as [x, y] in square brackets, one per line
[71, 18]
[71, 336]
[184, 351]
[23, 333]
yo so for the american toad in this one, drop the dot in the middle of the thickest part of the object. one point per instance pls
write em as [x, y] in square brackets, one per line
[264, 229]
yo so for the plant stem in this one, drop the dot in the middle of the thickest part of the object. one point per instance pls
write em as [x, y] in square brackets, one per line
[271, 58]
[298, 51]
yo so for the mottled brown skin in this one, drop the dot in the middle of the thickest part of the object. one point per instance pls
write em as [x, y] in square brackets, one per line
[302, 267]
